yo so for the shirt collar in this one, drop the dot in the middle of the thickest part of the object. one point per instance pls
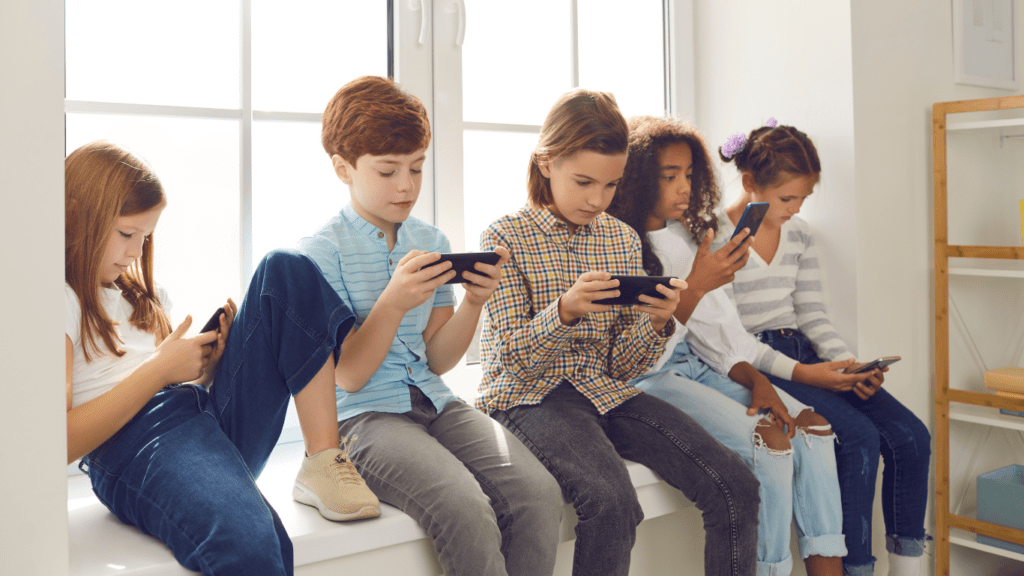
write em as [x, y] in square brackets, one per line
[551, 224]
[362, 225]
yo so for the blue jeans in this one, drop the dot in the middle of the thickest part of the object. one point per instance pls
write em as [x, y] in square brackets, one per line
[584, 450]
[182, 470]
[796, 485]
[490, 507]
[866, 429]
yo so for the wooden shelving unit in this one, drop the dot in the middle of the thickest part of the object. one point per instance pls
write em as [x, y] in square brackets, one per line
[961, 405]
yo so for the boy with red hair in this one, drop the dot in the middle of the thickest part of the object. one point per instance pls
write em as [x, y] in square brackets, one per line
[488, 504]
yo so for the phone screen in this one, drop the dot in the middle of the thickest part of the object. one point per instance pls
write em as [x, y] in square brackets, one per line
[751, 218]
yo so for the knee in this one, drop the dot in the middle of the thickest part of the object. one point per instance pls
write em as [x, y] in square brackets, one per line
[609, 502]
[286, 261]
[916, 441]
[770, 436]
[813, 423]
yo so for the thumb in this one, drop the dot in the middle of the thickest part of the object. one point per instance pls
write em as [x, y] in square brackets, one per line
[705, 244]
[181, 329]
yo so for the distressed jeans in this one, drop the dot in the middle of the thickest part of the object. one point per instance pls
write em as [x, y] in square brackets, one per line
[183, 469]
[584, 450]
[866, 429]
[798, 485]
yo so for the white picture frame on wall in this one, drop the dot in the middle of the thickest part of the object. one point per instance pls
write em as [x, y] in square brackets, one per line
[985, 43]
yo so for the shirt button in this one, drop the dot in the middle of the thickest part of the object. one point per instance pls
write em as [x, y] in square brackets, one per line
[410, 370]
[380, 234]
[389, 261]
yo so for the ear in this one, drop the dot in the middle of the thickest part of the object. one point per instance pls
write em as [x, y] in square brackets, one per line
[544, 163]
[749, 185]
[342, 168]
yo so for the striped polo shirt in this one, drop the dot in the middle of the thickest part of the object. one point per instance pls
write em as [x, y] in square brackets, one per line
[353, 256]
[786, 292]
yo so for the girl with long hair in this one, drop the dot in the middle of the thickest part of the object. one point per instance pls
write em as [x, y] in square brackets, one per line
[558, 364]
[668, 194]
[162, 452]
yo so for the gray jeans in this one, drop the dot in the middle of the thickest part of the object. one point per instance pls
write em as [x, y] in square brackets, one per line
[489, 505]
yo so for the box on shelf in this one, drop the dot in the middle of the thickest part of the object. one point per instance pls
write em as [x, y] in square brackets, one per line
[1001, 501]
[1009, 379]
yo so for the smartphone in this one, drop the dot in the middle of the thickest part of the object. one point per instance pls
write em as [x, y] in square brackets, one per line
[214, 322]
[879, 363]
[751, 218]
[464, 261]
[631, 287]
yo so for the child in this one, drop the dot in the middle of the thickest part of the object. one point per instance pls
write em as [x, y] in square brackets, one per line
[490, 507]
[558, 364]
[171, 458]
[778, 295]
[668, 195]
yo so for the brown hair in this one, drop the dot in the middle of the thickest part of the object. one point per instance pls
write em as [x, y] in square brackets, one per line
[579, 120]
[771, 151]
[101, 182]
[373, 115]
[639, 189]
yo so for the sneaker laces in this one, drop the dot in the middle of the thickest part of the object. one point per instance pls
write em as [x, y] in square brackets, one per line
[343, 468]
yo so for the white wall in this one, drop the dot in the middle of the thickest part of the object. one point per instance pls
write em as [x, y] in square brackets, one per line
[902, 64]
[790, 61]
[33, 485]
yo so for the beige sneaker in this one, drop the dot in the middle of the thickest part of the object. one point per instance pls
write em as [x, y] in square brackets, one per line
[329, 482]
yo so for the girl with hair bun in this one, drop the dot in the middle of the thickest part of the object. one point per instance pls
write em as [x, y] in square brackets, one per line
[710, 371]
[558, 363]
[779, 299]
[163, 453]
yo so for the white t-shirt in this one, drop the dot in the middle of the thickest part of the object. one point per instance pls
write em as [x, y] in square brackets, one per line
[91, 379]
[714, 331]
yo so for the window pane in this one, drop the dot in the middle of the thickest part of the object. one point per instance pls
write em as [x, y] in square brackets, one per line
[515, 60]
[622, 52]
[495, 179]
[182, 53]
[294, 190]
[302, 52]
[196, 241]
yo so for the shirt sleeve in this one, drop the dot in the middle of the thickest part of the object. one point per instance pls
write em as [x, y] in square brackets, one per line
[326, 256]
[809, 304]
[524, 343]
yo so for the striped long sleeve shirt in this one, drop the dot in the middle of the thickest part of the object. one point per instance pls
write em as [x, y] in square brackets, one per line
[786, 292]
[526, 350]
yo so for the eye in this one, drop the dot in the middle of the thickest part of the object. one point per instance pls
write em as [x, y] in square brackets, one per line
[388, 174]
[582, 182]
[416, 170]
[669, 178]
[126, 235]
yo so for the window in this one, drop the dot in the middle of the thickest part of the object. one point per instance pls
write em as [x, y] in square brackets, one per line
[224, 99]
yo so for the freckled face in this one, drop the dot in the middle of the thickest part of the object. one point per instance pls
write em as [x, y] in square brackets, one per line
[384, 188]
[675, 163]
[125, 242]
[583, 185]
[786, 199]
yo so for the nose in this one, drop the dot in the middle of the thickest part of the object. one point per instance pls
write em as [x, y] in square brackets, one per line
[405, 181]
[134, 250]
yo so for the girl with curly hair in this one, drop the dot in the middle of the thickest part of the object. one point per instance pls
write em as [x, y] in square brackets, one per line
[778, 296]
[668, 194]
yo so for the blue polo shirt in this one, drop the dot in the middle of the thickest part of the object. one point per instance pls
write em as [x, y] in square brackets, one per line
[353, 256]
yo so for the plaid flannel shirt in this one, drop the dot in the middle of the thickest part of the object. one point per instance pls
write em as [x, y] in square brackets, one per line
[526, 350]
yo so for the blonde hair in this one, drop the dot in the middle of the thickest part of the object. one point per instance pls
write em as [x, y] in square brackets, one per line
[580, 120]
[101, 182]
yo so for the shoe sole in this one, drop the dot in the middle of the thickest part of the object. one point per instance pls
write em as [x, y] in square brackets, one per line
[303, 495]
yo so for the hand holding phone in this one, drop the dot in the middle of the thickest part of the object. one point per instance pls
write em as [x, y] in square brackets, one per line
[631, 287]
[214, 322]
[752, 216]
[878, 363]
[464, 262]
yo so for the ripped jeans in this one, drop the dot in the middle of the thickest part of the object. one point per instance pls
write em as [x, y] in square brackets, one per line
[798, 484]
[866, 429]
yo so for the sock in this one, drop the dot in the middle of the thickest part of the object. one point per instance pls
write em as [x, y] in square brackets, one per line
[904, 565]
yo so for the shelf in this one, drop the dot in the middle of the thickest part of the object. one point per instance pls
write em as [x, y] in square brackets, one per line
[969, 540]
[1004, 123]
[984, 415]
[986, 272]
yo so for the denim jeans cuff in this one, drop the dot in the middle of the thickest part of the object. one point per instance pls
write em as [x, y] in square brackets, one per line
[860, 569]
[828, 545]
[781, 568]
[900, 546]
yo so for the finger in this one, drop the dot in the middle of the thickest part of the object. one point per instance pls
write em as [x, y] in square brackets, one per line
[410, 255]
[505, 255]
[783, 415]
[705, 243]
[678, 284]
[837, 365]
[181, 329]
[206, 337]
[485, 281]
[232, 309]
[596, 276]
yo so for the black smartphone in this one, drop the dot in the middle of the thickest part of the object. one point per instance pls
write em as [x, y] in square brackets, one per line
[878, 363]
[464, 261]
[631, 287]
[751, 218]
[214, 322]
